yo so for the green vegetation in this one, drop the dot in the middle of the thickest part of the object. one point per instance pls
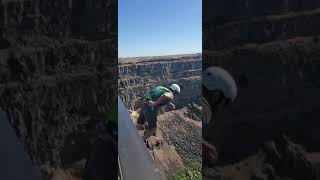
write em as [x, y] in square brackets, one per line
[192, 172]
[112, 115]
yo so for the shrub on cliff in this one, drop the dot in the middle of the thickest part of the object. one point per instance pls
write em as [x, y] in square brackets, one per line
[192, 172]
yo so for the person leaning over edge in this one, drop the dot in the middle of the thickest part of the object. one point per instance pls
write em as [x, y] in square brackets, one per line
[218, 90]
[153, 100]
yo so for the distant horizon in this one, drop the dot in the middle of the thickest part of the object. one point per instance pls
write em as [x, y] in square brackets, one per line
[160, 55]
[159, 28]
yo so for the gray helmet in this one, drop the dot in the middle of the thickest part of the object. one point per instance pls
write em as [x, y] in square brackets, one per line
[216, 78]
[175, 87]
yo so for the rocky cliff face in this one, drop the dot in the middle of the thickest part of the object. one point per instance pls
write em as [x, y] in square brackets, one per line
[77, 18]
[272, 50]
[58, 69]
[138, 75]
[177, 143]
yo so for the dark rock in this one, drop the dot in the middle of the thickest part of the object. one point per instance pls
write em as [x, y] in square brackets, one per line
[56, 87]
[271, 48]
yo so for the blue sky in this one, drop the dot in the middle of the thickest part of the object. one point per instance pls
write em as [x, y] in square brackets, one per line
[159, 27]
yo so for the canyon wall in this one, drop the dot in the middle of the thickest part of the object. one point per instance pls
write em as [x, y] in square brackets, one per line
[58, 69]
[73, 18]
[138, 75]
[177, 143]
[272, 50]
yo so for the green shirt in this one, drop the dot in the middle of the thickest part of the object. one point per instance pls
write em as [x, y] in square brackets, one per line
[155, 93]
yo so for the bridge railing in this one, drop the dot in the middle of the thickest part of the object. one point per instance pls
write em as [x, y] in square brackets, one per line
[135, 162]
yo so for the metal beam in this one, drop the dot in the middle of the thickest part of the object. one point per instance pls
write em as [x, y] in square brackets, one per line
[14, 161]
[136, 162]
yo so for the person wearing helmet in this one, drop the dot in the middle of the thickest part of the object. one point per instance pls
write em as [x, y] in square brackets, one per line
[153, 100]
[218, 90]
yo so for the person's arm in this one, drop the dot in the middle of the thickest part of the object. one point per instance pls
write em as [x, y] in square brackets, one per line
[164, 99]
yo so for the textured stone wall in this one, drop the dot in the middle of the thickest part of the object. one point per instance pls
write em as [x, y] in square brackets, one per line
[60, 18]
[220, 12]
[272, 50]
[136, 77]
[263, 29]
[58, 75]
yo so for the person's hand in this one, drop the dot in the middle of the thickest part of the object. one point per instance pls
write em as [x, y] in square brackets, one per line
[173, 106]
[151, 104]
[210, 153]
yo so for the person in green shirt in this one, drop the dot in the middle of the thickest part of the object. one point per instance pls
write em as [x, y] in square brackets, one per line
[153, 100]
